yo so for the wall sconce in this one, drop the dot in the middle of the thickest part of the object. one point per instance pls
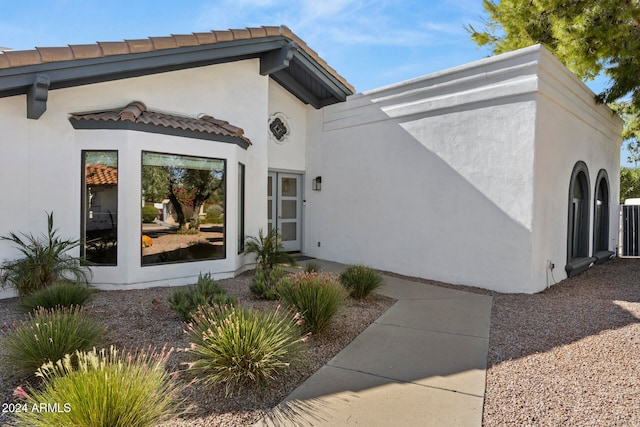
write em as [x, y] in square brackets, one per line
[316, 184]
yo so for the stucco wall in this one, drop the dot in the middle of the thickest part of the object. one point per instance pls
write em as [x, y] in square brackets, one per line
[289, 155]
[432, 177]
[41, 160]
[571, 127]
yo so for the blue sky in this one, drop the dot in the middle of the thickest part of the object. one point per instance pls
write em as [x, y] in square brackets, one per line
[371, 43]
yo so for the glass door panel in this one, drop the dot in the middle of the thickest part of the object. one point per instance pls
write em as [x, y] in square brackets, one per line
[284, 205]
[289, 210]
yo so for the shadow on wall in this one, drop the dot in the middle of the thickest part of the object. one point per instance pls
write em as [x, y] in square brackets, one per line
[411, 211]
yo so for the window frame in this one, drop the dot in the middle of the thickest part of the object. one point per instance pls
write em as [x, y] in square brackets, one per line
[83, 201]
[242, 174]
[578, 262]
[601, 234]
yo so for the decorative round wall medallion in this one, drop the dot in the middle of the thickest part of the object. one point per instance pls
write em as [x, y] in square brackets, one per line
[279, 128]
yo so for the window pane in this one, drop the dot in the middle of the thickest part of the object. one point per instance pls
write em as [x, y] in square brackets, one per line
[289, 210]
[288, 231]
[100, 207]
[189, 193]
[289, 187]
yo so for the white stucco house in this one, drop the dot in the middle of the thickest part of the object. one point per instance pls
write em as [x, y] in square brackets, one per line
[501, 173]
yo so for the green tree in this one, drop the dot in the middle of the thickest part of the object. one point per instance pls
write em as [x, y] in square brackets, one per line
[187, 189]
[631, 133]
[591, 37]
[629, 183]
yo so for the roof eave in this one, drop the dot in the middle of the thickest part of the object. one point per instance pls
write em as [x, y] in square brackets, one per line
[61, 74]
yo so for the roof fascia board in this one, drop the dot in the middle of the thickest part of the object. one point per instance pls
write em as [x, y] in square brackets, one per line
[69, 73]
[150, 128]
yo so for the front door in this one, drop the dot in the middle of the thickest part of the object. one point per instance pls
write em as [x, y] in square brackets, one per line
[284, 200]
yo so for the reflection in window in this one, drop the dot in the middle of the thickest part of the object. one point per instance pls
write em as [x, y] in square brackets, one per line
[189, 194]
[99, 227]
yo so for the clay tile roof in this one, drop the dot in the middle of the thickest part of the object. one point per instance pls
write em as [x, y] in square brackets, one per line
[9, 59]
[136, 112]
[101, 175]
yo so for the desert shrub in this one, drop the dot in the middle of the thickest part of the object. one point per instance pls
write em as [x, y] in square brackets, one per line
[45, 261]
[360, 281]
[149, 214]
[104, 388]
[214, 214]
[312, 267]
[236, 346]
[265, 282]
[205, 292]
[63, 294]
[316, 296]
[48, 335]
[188, 231]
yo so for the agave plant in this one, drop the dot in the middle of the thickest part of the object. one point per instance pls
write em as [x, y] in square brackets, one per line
[45, 261]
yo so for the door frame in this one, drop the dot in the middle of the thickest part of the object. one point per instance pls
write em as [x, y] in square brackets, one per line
[301, 202]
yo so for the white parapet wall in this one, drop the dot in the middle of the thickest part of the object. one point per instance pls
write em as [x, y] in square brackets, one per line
[435, 177]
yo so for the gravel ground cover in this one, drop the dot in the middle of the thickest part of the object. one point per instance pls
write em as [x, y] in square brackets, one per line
[567, 356]
[143, 318]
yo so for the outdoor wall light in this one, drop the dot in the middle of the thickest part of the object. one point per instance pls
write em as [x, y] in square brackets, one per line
[316, 184]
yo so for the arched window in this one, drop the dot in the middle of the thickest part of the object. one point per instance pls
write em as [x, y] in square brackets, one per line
[601, 217]
[578, 258]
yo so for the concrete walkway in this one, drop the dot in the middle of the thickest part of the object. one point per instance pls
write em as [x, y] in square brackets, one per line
[422, 363]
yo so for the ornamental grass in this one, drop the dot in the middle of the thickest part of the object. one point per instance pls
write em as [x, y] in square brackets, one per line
[360, 281]
[47, 336]
[63, 294]
[238, 347]
[316, 296]
[103, 389]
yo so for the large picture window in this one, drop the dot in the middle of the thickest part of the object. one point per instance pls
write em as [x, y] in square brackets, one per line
[183, 208]
[99, 225]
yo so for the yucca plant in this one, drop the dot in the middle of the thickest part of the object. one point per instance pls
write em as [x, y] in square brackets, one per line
[236, 346]
[47, 336]
[316, 296]
[62, 294]
[205, 292]
[103, 389]
[45, 261]
[360, 281]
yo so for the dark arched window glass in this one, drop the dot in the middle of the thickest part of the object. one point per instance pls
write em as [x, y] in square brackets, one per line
[601, 217]
[578, 225]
